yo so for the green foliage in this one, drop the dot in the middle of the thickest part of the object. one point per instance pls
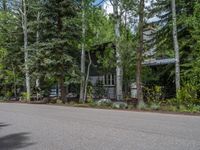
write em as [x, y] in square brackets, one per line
[187, 95]
[153, 94]
[99, 90]
[193, 108]
[23, 97]
[55, 55]
[169, 108]
[142, 106]
[90, 91]
[154, 106]
[191, 70]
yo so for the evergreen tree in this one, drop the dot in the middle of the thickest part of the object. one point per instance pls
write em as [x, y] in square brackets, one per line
[59, 35]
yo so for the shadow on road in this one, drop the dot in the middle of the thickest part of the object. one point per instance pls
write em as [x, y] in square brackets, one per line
[14, 141]
[3, 125]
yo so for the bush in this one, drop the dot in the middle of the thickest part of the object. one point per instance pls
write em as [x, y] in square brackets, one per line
[142, 106]
[8, 95]
[182, 108]
[186, 96]
[23, 97]
[155, 106]
[153, 95]
[3, 99]
[194, 108]
[169, 108]
[119, 105]
[130, 107]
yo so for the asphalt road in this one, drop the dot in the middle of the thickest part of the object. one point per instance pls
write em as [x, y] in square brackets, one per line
[44, 127]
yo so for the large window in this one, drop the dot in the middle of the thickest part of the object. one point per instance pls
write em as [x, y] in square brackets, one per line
[109, 80]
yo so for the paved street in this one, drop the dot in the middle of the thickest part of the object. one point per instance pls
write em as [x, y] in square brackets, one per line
[44, 127]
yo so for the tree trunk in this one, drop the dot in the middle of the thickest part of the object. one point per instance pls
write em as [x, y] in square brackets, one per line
[5, 5]
[14, 82]
[25, 32]
[176, 46]
[81, 99]
[119, 69]
[87, 77]
[62, 89]
[37, 81]
[139, 54]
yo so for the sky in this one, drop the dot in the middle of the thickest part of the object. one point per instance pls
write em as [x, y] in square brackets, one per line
[106, 5]
[97, 2]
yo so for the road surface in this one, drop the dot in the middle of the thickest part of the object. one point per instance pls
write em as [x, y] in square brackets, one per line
[45, 127]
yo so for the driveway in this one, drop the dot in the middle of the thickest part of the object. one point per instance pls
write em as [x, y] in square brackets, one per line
[46, 127]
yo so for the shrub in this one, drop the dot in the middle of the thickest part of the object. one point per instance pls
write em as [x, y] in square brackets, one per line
[186, 96]
[131, 107]
[90, 91]
[142, 106]
[3, 99]
[23, 97]
[168, 108]
[154, 94]
[155, 106]
[183, 108]
[8, 94]
[194, 108]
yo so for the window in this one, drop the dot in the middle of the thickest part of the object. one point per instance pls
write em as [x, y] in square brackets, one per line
[109, 80]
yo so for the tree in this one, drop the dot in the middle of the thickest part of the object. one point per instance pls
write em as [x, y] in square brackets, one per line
[57, 49]
[176, 45]
[139, 53]
[11, 77]
[82, 86]
[26, 54]
[119, 69]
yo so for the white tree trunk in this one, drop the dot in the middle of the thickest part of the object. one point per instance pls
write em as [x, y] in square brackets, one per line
[81, 99]
[87, 77]
[176, 46]
[25, 32]
[119, 69]
[37, 81]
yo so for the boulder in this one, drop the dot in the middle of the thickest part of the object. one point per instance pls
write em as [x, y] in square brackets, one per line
[119, 105]
[104, 102]
[58, 101]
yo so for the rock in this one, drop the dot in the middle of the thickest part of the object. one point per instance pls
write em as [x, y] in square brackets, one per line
[104, 102]
[53, 100]
[58, 101]
[119, 105]
[72, 95]
[45, 100]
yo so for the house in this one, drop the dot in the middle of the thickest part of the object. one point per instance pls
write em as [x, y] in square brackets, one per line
[102, 82]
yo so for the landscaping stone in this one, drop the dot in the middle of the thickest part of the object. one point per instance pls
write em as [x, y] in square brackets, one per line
[58, 101]
[119, 105]
[104, 102]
